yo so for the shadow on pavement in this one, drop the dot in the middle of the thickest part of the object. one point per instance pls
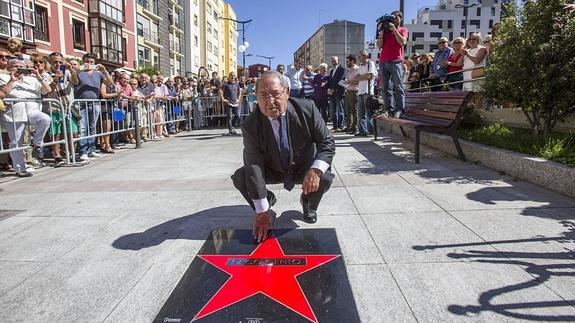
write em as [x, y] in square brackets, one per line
[490, 301]
[198, 226]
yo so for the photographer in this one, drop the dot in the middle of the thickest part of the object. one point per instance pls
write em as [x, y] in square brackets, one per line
[24, 83]
[391, 39]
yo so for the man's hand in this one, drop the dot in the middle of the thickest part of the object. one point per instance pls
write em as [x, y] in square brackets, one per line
[311, 181]
[262, 224]
[392, 27]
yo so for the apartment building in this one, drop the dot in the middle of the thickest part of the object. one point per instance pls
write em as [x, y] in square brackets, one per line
[103, 27]
[230, 40]
[192, 34]
[176, 15]
[451, 19]
[339, 38]
[17, 19]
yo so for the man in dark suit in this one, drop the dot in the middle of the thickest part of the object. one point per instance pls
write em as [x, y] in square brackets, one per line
[285, 141]
[336, 91]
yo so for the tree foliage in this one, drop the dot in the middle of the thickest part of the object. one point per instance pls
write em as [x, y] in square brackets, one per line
[532, 64]
[150, 70]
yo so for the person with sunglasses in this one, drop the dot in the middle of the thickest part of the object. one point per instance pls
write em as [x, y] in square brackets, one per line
[438, 72]
[285, 141]
[473, 56]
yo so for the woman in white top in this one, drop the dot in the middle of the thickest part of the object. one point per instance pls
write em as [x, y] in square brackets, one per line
[473, 56]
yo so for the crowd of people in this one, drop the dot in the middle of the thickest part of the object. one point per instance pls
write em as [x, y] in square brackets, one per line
[343, 93]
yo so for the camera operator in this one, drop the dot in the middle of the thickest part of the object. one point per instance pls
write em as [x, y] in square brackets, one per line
[391, 40]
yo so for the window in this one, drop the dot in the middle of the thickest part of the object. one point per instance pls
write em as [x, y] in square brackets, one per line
[125, 49]
[463, 24]
[490, 23]
[479, 12]
[42, 24]
[196, 20]
[78, 37]
[450, 24]
[143, 56]
[215, 15]
[106, 38]
[215, 50]
[416, 35]
[438, 23]
[196, 41]
[209, 44]
[435, 35]
[196, 61]
[209, 9]
[451, 36]
[492, 12]
[433, 47]
[216, 34]
[475, 22]
[209, 27]
[417, 47]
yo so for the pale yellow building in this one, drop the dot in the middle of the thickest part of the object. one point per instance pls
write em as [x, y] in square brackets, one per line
[230, 41]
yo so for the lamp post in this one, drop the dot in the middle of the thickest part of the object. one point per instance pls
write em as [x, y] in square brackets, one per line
[269, 58]
[242, 48]
[465, 12]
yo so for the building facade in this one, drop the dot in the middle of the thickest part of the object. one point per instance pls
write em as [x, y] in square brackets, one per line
[211, 40]
[339, 38]
[103, 27]
[177, 41]
[445, 20]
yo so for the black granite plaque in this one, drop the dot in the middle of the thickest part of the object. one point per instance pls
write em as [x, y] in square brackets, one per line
[293, 276]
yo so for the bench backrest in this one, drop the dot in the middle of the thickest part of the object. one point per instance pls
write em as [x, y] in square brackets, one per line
[441, 108]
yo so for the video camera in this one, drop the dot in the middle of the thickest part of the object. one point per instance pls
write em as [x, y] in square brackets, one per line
[383, 22]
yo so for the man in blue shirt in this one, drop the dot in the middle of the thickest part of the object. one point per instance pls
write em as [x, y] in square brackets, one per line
[438, 73]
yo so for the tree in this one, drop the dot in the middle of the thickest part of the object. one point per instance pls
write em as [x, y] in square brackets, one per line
[150, 70]
[532, 65]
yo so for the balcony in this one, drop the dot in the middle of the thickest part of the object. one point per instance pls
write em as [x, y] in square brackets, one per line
[152, 38]
[176, 48]
[175, 23]
[151, 8]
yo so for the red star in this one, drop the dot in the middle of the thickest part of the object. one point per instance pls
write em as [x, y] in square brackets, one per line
[277, 281]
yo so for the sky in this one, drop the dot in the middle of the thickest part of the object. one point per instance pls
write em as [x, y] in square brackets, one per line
[280, 27]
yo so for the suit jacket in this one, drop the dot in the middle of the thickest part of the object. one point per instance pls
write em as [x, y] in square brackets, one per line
[336, 75]
[309, 139]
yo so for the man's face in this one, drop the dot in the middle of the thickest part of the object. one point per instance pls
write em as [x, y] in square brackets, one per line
[55, 62]
[281, 69]
[333, 62]
[15, 66]
[442, 44]
[397, 19]
[272, 97]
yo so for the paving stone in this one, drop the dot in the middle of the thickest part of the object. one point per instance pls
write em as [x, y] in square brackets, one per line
[420, 237]
[485, 292]
[377, 295]
[390, 199]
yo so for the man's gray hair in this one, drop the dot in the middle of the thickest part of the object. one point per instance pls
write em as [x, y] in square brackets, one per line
[270, 74]
[17, 60]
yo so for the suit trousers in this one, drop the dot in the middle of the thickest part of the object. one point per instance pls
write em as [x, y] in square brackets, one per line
[239, 179]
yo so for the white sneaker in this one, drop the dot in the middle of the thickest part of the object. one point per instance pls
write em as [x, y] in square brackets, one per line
[30, 169]
[94, 155]
[84, 157]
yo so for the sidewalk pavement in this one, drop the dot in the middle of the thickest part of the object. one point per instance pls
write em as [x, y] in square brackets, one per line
[440, 241]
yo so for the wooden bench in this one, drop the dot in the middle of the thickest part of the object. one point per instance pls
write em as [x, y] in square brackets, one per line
[437, 112]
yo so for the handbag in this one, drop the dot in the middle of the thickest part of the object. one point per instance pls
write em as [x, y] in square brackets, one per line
[478, 72]
[75, 111]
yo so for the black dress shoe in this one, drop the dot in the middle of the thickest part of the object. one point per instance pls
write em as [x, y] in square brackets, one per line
[271, 198]
[309, 215]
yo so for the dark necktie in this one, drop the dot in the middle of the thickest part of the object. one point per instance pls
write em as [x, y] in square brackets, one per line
[284, 143]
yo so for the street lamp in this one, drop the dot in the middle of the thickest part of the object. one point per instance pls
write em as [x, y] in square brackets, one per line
[269, 58]
[242, 48]
[465, 12]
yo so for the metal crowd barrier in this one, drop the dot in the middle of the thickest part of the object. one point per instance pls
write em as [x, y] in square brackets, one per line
[21, 139]
[427, 87]
[210, 111]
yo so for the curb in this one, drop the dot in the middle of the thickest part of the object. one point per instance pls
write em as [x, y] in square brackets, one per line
[548, 174]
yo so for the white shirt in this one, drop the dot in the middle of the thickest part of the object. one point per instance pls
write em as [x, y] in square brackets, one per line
[366, 86]
[262, 205]
[28, 88]
[350, 74]
[293, 74]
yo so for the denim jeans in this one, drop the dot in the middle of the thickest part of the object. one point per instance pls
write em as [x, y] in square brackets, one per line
[394, 72]
[90, 112]
[364, 116]
[169, 116]
[233, 114]
[336, 111]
